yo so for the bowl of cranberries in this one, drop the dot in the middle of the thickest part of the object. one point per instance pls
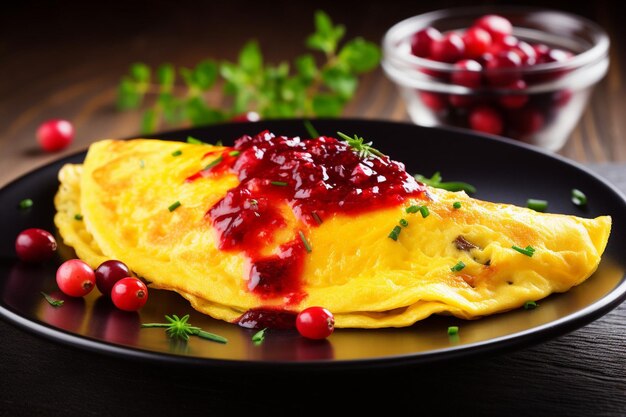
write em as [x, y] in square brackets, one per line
[516, 72]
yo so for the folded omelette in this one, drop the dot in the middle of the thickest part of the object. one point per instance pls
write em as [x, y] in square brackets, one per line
[275, 224]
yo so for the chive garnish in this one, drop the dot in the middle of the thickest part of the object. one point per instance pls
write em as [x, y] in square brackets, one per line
[194, 141]
[403, 223]
[25, 203]
[177, 152]
[412, 209]
[174, 206]
[213, 163]
[456, 204]
[142, 164]
[259, 337]
[537, 205]
[578, 197]
[394, 233]
[234, 153]
[424, 210]
[459, 266]
[52, 301]
[528, 250]
[453, 330]
[435, 181]
[530, 305]
[306, 243]
[311, 130]
[279, 183]
[316, 216]
[78, 216]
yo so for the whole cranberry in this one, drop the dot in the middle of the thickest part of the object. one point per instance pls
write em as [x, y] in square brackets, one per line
[434, 101]
[467, 73]
[503, 69]
[35, 245]
[514, 101]
[477, 42]
[486, 119]
[55, 134]
[422, 41]
[108, 273]
[526, 121]
[448, 49]
[498, 27]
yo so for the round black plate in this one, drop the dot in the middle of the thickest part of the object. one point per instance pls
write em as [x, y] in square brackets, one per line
[503, 171]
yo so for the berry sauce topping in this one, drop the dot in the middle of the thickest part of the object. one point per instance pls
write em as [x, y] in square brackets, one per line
[316, 178]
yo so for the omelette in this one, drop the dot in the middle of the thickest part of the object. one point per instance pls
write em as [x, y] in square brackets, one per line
[254, 233]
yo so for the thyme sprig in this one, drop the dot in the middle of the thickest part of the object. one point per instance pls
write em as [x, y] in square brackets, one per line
[179, 328]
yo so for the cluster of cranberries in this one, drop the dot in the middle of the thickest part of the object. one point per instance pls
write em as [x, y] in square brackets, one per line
[76, 279]
[487, 56]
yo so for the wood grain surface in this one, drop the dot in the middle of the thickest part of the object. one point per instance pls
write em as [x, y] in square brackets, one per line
[60, 59]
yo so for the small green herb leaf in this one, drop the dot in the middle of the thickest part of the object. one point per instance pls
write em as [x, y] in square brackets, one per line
[537, 205]
[453, 330]
[52, 301]
[259, 337]
[458, 267]
[174, 206]
[78, 217]
[305, 242]
[177, 152]
[456, 205]
[435, 181]
[530, 305]
[578, 198]
[25, 203]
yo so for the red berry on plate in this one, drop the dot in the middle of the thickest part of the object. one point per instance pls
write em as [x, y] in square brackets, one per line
[55, 134]
[497, 26]
[75, 278]
[108, 273]
[486, 119]
[129, 294]
[467, 73]
[448, 49]
[477, 42]
[35, 245]
[315, 323]
[422, 41]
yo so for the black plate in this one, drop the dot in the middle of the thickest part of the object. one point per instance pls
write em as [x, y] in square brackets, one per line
[503, 171]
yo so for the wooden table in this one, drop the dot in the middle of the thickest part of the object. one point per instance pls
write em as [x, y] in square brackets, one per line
[66, 61]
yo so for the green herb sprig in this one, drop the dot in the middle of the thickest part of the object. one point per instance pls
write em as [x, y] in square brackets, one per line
[52, 301]
[362, 148]
[436, 181]
[307, 87]
[179, 328]
[259, 337]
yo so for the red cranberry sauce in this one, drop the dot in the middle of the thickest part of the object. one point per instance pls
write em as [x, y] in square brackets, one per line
[260, 318]
[317, 178]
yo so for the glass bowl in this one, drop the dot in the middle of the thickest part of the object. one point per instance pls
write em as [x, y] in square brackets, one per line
[539, 102]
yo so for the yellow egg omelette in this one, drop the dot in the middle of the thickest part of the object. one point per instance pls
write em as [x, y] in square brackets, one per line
[281, 224]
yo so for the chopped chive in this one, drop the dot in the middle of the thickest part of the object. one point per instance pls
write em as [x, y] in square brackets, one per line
[52, 301]
[578, 197]
[435, 181]
[459, 266]
[194, 141]
[25, 203]
[177, 152]
[403, 223]
[453, 330]
[530, 305]
[259, 337]
[174, 206]
[537, 205]
[456, 204]
[142, 164]
[234, 153]
[528, 250]
[306, 243]
[412, 209]
[394, 233]
[311, 130]
[424, 210]
[213, 163]
[78, 216]
[316, 216]
[279, 183]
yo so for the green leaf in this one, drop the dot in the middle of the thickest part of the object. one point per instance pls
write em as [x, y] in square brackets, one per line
[250, 58]
[171, 107]
[340, 81]
[326, 36]
[205, 74]
[306, 67]
[148, 122]
[166, 77]
[360, 55]
[140, 72]
[323, 24]
[128, 96]
[200, 114]
[327, 105]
